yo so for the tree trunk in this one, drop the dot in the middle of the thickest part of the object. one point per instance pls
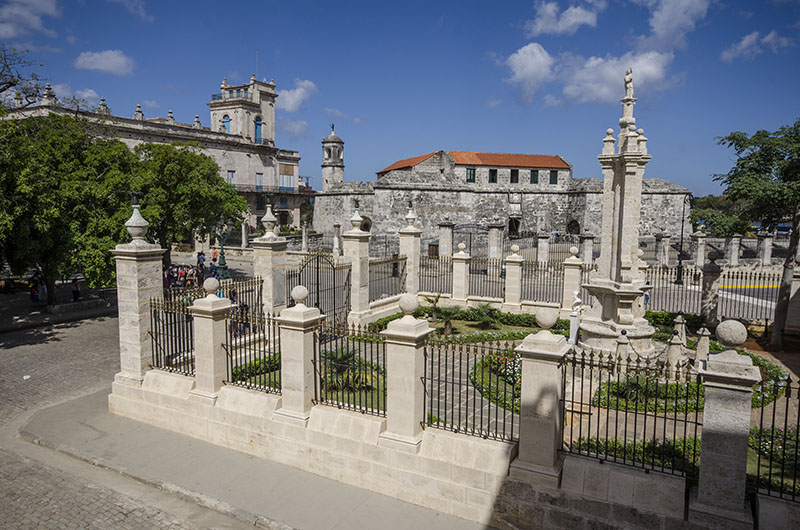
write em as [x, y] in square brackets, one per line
[167, 258]
[785, 290]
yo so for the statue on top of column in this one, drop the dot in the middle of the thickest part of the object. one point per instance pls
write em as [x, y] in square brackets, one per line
[629, 83]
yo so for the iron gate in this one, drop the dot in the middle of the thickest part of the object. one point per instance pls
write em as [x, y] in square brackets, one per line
[328, 285]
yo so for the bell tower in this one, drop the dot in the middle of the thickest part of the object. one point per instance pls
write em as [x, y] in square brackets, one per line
[332, 161]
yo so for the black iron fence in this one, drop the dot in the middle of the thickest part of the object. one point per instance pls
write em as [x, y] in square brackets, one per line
[387, 277]
[253, 348]
[774, 452]
[586, 274]
[350, 367]
[486, 277]
[473, 389]
[172, 335]
[384, 245]
[542, 282]
[436, 274]
[669, 294]
[632, 411]
[247, 291]
[328, 284]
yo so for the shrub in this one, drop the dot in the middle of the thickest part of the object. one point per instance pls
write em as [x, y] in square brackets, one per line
[496, 388]
[343, 370]
[381, 323]
[679, 454]
[647, 394]
[243, 372]
[667, 319]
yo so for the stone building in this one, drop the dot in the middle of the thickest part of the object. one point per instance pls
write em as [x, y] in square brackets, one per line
[241, 138]
[526, 193]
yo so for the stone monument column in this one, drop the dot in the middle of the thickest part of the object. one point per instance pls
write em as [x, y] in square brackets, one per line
[446, 238]
[765, 248]
[269, 263]
[543, 247]
[139, 279]
[699, 238]
[587, 248]
[356, 250]
[495, 239]
[410, 248]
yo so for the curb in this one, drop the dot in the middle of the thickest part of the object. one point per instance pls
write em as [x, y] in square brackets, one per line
[258, 521]
[59, 319]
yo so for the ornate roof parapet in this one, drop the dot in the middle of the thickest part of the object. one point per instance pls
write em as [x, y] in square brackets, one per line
[102, 108]
[138, 114]
[48, 96]
[170, 117]
[196, 124]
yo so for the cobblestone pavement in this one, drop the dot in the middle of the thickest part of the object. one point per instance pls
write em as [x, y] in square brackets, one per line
[63, 362]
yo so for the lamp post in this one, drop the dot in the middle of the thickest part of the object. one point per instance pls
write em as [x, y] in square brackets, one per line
[222, 237]
[679, 272]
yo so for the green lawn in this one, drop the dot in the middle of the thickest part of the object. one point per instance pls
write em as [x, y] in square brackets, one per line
[373, 398]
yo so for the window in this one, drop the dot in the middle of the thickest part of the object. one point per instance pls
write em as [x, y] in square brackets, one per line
[230, 93]
[515, 176]
[259, 181]
[231, 176]
[258, 129]
[553, 177]
[245, 92]
[238, 93]
[470, 174]
[226, 121]
[492, 176]
[259, 205]
[283, 201]
[534, 176]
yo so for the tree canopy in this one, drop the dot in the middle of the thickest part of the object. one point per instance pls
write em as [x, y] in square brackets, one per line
[719, 215]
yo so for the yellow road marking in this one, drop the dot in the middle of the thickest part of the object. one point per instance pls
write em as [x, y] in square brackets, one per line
[746, 286]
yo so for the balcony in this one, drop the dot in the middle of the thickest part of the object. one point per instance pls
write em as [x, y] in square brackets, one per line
[266, 189]
[216, 97]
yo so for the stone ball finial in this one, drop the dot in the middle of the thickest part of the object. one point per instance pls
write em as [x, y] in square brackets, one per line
[713, 256]
[514, 249]
[461, 247]
[640, 132]
[546, 317]
[609, 132]
[731, 333]
[211, 285]
[299, 294]
[632, 127]
[573, 251]
[408, 304]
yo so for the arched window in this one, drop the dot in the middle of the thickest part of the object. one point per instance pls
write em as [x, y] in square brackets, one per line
[573, 227]
[226, 121]
[258, 129]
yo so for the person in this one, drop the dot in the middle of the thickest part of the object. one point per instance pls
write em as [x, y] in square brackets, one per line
[214, 255]
[201, 259]
[646, 297]
[76, 290]
[212, 269]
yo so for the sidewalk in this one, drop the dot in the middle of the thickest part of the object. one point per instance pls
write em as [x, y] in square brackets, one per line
[265, 493]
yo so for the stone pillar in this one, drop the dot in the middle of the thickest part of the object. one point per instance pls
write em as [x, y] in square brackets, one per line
[495, 239]
[337, 249]
[662, 249]
[138, 280]
[728, 379]
[765, 248]
[410, 248]
[703, 344]
[699, 238]
[296, 217]
[461, 274]
[356, 250]
[245, 234]
[679, 328]
[297, 352]
[587, 248]
[710, 295]
[793, 313]
[405, 366]
[573, 267]
[211, 363]
[512, 301]
[543, 248]
[446, 238]
[269, 263]
[734, 244]
[540, 418]
[304, 247]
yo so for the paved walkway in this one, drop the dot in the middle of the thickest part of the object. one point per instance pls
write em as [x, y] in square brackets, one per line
[257, 490]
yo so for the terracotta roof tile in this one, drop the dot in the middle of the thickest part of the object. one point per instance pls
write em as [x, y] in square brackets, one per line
[470, 158]
[408, 162]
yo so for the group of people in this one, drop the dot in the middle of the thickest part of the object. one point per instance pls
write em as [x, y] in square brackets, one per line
[191, 275]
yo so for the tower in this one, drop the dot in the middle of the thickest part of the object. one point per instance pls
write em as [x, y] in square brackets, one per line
[245, 110]
[619, 284]
[332, 161]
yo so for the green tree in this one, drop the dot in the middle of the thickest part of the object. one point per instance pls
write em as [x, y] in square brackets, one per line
[181, 189]
[719, 215]
[16, 77]
[765, 180]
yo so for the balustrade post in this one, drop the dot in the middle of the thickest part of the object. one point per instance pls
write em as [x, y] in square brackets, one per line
[543, 248]
[734, 245]
[356, 250]
[461, 274]
[512, 300]
[765, 248]
[728, 378]
[405, 367]
[210, 358]
[297, 325]
[269, 263]
[541, 421]
[139, 279]
[699, 248]
[410, 237]
[573, 268]
[446, 237]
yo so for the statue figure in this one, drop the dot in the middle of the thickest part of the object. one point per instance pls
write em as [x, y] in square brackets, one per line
[629, 83]
[577, 303]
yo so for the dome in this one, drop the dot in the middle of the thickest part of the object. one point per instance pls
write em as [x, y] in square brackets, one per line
[332, 138]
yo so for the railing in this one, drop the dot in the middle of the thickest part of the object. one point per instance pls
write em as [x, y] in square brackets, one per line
[253, 349]
[586, 274]
[632, 411]
[436, 274]
[172, 335]
[774, 457]
[542, 282]
[473, 389]
[558, 252]
[382, 246]
[246, 291]
[666, 295]
[748, 294]
[387, 277]
[486, 277]
[350, 367]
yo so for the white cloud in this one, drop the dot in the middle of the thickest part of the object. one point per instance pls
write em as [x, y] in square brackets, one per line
[71, 39]
[151, 104]
[135, 7]
[549, 20]
[492, 103]
[291, 99]
[21, 17]
[110, 61]
[754, 44]
[336, 113]
[671, 21]
[530, 67]
[66, 95]
[295, 128]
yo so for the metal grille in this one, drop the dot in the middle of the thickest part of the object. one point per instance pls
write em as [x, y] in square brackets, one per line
[542, 282]
[473, 389]
[172, 335]
[436, 274]
[253, 348]
[667, 295]
[748, 294]
[586, 274]
[486, 277]
[387, 277]
[328, 285]
[350, 367]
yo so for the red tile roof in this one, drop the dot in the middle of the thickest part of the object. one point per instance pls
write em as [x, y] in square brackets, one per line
[469, 158]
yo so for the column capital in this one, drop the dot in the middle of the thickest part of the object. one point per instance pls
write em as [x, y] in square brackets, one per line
[299, 317]
[730, 370]
[355, 235]
[211, 306]
[138, 250]
[408, 330]
[544, 346]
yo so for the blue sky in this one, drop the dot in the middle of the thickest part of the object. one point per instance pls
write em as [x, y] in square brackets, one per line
[406, 78]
